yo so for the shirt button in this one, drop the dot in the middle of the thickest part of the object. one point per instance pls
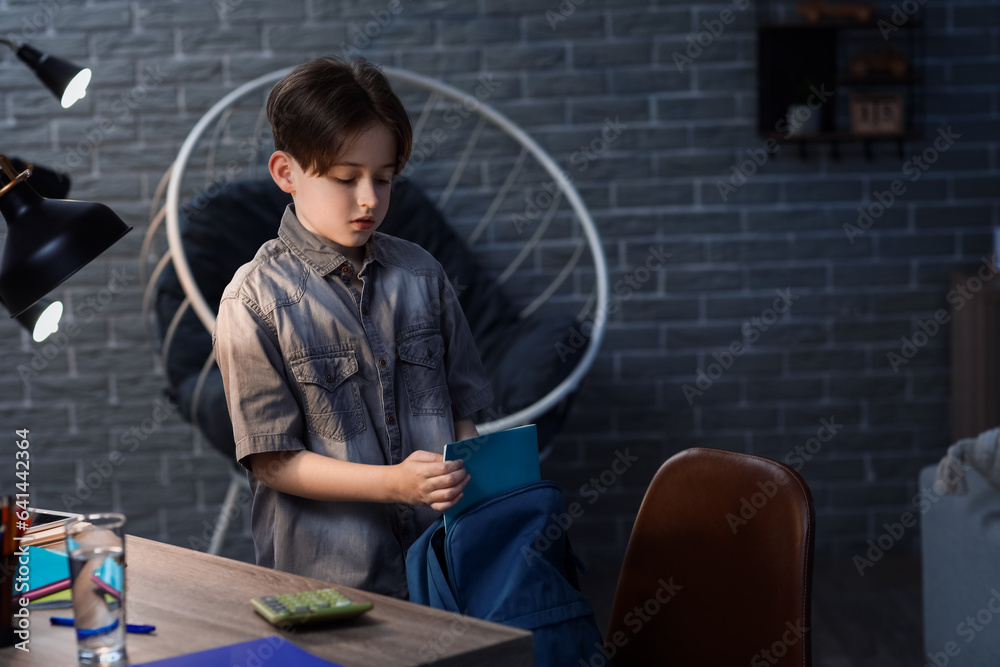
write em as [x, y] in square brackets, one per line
[430, 353]
[364, 310]
[381, 362]
[329, 377]
[345, 269]
[390, 419]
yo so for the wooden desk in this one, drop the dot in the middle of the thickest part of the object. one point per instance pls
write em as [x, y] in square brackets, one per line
[162, 581]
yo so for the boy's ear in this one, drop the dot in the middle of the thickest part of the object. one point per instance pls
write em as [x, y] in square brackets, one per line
[280, 166]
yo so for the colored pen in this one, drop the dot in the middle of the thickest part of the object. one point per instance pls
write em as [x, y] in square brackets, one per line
[105, 586]
[129, 627]
[48, 589]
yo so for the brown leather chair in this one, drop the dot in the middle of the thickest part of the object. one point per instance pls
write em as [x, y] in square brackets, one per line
[718, 569]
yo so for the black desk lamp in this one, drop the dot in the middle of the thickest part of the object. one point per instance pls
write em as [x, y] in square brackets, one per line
[67, 81]
[42, 319]
[48, 240]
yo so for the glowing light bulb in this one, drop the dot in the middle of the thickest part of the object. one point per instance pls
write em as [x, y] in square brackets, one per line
[48, 322]
[76, 89]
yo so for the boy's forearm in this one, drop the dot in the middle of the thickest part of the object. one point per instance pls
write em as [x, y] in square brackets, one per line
[465, 429]
[423, 478]
[311, 475]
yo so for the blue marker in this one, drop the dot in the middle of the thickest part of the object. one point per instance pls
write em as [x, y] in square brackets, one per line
[85, 634]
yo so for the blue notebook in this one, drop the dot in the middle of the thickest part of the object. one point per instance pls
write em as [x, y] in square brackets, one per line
[46, 567]
[273, 650]
[497, 462]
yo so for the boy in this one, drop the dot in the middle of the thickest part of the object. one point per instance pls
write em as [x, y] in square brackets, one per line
[346, 359]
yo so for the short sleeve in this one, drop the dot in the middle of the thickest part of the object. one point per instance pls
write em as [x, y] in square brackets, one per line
[265, 415]
[467, 382]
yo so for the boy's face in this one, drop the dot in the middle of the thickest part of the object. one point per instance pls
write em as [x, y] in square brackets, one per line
[347, 204]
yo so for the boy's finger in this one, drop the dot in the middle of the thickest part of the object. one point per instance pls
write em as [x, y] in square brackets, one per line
[445, 504]
[451, 479]
[450, 491]
[452, 466]
[425, 456]
[439, 469]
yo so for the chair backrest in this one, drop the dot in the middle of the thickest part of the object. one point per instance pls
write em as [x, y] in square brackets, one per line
[718, 568]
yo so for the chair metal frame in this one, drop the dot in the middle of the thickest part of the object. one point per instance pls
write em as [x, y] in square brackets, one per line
[169, 214]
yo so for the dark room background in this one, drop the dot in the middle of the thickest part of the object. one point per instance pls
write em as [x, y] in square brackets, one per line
[798, 261]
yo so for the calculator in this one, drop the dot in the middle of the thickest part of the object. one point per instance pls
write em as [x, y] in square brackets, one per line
[326, 604]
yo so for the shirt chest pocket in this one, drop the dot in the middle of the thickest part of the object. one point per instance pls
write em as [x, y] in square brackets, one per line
[332, 398]
[421, 362]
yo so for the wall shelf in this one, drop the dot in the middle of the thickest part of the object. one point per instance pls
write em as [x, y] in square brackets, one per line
[796, 60]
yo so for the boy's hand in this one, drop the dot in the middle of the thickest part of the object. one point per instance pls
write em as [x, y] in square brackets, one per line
[425, 478]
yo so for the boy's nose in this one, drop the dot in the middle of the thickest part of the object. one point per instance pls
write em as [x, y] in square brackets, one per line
[366, 194]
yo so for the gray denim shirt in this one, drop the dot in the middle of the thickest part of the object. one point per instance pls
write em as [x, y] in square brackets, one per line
[369, 376]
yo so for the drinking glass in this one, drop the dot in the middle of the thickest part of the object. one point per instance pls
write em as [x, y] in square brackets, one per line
[96, 547]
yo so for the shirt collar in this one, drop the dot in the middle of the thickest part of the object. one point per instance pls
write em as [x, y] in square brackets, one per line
[319, 252]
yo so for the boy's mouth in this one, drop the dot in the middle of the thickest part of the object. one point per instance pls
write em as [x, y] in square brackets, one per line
[364, 223]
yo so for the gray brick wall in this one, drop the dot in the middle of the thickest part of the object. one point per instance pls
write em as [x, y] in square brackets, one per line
[159, 64]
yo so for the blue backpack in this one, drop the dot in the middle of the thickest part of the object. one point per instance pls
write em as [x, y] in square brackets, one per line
[508, 560]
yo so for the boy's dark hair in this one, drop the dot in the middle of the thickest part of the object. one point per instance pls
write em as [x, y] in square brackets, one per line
[322, 105]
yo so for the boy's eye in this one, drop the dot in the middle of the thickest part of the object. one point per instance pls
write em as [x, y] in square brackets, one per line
[348, 181]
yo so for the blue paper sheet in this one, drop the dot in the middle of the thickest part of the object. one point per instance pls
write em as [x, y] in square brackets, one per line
[273, 650]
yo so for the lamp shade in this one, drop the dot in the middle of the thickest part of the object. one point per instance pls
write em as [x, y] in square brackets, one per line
[42, 319]
[48, 240]
[67, 81]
